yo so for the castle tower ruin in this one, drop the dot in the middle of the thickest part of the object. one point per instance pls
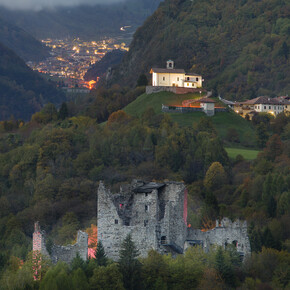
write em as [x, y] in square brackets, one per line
[153, 213]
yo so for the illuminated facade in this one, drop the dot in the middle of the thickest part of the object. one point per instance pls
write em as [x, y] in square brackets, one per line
[172, 77]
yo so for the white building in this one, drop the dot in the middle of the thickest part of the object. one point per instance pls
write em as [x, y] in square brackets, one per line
[172, 77]
[263, 104]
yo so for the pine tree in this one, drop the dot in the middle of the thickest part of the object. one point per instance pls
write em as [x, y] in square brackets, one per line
[224, 268]
[262, 135]
[77, 263]
[100, 255]
[268, 239]
[63, 111]
[128, 263]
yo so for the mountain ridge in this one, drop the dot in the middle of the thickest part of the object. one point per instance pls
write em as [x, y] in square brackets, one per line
[22, 91]
[24, 44]
[241, 48]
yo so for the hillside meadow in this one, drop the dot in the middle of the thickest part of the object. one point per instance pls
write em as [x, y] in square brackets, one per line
[223, 121]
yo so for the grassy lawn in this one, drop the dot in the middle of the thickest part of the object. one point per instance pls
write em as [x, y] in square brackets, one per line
[246, 153]
[137, 107]
[222, 120]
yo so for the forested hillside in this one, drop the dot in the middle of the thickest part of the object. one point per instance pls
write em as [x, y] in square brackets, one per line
[240, 47]
[22, 42]
[50, 168]
[22, 91]
[99, 69]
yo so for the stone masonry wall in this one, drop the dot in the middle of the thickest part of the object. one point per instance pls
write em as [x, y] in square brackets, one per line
[226, 232]
[175, 90]
[60, 253]
[159, 213]
[38, 243]
[68, 253]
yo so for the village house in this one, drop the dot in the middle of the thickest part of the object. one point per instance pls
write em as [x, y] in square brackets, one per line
[263, 104]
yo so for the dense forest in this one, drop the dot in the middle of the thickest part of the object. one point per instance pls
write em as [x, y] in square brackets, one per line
[27, 47]
[51, 165]
[22, 91]
[240, 47]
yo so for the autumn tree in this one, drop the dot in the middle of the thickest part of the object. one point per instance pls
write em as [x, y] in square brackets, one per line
[215, 177]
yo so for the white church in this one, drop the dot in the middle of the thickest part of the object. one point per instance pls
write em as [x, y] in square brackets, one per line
[172, 77]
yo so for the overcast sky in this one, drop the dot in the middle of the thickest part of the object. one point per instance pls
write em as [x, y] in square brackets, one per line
[40, 4]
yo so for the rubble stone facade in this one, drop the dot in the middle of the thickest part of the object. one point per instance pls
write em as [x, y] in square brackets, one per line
[155, 214]
[60, 253]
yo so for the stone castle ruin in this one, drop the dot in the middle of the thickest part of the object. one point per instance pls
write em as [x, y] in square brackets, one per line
[60, 253]
[155, 214]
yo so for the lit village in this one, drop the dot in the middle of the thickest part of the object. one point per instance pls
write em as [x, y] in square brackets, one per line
[71, 58]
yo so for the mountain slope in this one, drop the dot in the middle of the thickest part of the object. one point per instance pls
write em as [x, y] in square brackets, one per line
[26, 46]
[98, 69]
[22, 91]
[82, 21]
[241, 48]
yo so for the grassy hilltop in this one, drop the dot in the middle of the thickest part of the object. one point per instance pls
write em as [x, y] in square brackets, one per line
[222, 121]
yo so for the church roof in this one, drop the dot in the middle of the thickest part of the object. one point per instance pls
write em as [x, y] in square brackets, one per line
[193, 74]
[168, 70]
[266, 100]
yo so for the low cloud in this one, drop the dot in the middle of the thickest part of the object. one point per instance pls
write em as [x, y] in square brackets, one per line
[43, 4]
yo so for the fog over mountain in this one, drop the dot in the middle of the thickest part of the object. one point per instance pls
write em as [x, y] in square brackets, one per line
[89, 19]
[37, 5]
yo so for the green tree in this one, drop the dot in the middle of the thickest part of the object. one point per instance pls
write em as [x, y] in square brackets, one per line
[109, 277]
[142, 80]
[155, 270]
[57, 278]
[129, 265]
[268, 239]
[224, 268]
[205, 125]
[77, 263]
[79, 280]
[63, 111]
[284, 203]
[100, 255]
[261, 135]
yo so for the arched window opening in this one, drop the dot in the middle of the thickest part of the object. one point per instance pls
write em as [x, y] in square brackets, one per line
[163, 240]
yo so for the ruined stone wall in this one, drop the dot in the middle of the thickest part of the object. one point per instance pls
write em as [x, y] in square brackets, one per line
[39, 242]
[60, 253]
[156, 219]
[173, 226]
[226, 232]
[68, 253]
